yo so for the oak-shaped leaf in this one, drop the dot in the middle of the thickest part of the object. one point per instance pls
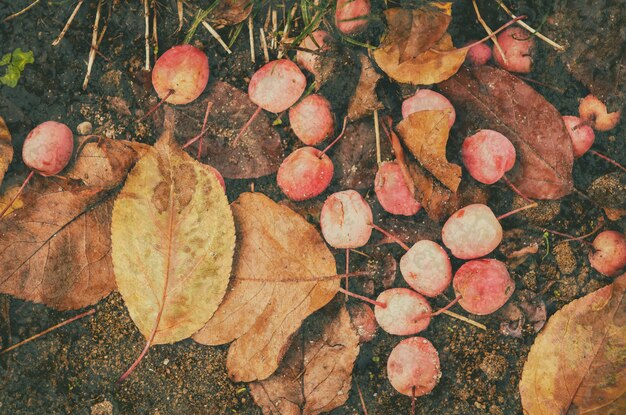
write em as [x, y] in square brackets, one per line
[283, 272]
[414, 31]
[425, 133]
[173, 240]
[488, 97]
[577, 364]
[56, 245]
[258, 152]
[436, 64]
[316, 375]
[6, 149]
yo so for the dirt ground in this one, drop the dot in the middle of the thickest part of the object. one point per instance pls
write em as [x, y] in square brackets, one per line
[75, 369]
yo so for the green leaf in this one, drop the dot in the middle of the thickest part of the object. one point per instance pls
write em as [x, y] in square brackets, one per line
[20, 58]
[11, 76]
[6, 59]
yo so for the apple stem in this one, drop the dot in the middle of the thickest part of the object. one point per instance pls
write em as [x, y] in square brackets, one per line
[209, 105]
[358, 388]
[391, 236]
[347, 268]
[607, 159]
[19, 192]
[513, 212]
[446, 308]
[343, 130]
[157, 106]
[48, 330]
[363, 298]
[247, 125]
[572, 237]
[379, 159]
[413, 400]
[516, 190]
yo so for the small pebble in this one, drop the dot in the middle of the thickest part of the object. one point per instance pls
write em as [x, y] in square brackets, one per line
[84, 128]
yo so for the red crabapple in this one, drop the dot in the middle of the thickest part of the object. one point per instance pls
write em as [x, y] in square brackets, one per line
[392, 191]
[487, 155]
[518, 45]
[426, 268]
[413, 367]
[426, 99]
[346, 220]
[305, 173]
[483, 285]
[582, 135]
[406, 312]
[472, 232]
[609, 255]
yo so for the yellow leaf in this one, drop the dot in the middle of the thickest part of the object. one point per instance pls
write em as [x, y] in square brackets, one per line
[277, 282]
[173, 239]
[6, 149]
[578, 362]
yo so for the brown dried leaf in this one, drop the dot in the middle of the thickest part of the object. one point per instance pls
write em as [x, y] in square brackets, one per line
[425, 133]
[365, 101]
[577, 363]
[56, 248]
[173, 240]
[258, 152]
[488, 97]
[414, 31]
[354, 155]
[316, 375]
[6, 149]
[231, 12]
[438, 201]
[431, 67]
[277, 282]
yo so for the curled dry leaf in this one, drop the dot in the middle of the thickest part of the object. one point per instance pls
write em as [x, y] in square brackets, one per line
[231, 12]
[365, 101]
[316, 375]
[414, 31]
[56, 249]
[577, 363]
[437, 200]
[173, 240]
[282, 273]
[258, 152]
[436, 64]
[355, 155]
[492, 98]
[425, 133]
[6, 149]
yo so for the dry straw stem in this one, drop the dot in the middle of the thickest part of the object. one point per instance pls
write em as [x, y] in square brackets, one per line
[530, 29]
[266, 54]
[465, 319]
[489, 32]
[24, 10]
[251, 31]
[68, 24]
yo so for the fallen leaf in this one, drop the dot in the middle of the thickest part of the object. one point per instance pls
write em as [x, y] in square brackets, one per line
[487, 97]
[56, 248]
[577, 363]
[6, 149]
[280, 276]
[425, 133]
[230, 12]
[365, 101]
[437, 200]
[316, 375]
[258, 152]
[431, 67]
[173, 240]
[354, 155]
[414, 31]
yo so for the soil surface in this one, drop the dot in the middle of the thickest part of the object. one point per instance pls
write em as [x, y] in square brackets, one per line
[75, 369]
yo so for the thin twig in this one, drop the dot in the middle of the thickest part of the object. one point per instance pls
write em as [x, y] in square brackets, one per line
[155, 33]
[530, 29]
[489, 32]
[379, 159]
[266, 54]
[24, 10]
[48, 330]
[465, 319]
[146, 16]
[251, 30]
[68, 24]
[216, 36]
[94, 45]
[358, 388]
[181, 15]
[514, 211]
